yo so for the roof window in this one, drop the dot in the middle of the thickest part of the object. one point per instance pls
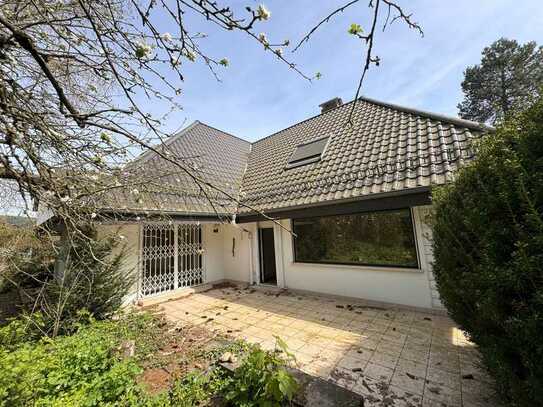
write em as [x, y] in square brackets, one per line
[308, 153]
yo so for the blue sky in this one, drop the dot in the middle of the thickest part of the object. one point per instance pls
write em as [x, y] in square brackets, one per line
[258, 96]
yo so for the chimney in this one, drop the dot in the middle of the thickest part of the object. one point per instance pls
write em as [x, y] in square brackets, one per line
[330, 104]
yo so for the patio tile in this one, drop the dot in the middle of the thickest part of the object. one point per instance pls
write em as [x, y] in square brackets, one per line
[442, 395]
[414, 355]
[476, 370]
[384, 359]
[350, 363]
[378, 372]
[301, 335]
[443, 378]
[294, 344]
[343, 377]
[400, 358]
[317, 369]
[429, 402]
[373, 390]
[412, 368]
[396, 397]
[448, 363]
[310, 349]
[486, 397]
[408, 382]
[358, 353]
[389, 348]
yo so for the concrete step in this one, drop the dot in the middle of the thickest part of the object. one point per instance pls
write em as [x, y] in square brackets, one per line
[173, 295]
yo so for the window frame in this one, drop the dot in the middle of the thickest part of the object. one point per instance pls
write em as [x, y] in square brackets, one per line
[361, 265]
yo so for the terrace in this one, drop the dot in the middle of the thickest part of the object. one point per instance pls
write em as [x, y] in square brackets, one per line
[393, 357]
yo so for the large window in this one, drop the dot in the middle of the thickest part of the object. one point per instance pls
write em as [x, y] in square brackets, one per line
[383, 238]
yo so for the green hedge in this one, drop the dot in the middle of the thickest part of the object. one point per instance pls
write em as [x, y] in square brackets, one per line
[488, 244]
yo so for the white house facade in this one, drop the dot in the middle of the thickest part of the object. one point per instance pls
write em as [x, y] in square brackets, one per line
[319, 207]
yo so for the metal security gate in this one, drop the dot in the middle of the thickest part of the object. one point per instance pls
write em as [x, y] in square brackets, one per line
[172, 257]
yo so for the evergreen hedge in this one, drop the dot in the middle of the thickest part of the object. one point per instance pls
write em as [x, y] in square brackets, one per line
[488, 245]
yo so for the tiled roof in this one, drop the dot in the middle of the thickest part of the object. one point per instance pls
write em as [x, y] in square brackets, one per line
[213, 155]
[388, 148]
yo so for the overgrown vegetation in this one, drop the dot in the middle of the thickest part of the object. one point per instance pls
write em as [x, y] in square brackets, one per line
[86, 368]
[262, 379]
[488, 241]
[105, 363]
[88, 274]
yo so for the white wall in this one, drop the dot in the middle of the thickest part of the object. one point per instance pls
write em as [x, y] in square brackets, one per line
[381, 284]
[391, 285]
[220, 262]
[131, 237]
[237, 262]
[213, 252]
[424, 236]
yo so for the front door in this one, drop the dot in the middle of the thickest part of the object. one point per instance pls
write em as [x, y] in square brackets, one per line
[268, 274]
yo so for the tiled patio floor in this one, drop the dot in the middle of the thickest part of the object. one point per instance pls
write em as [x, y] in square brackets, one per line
[392, 357]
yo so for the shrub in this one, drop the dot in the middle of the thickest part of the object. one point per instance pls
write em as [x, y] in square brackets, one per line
[262, 379]
[488, 244]
[91, 367]
[93, 277]
[25, 256]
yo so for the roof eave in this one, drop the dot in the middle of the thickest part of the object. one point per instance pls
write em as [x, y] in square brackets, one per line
[382, 201]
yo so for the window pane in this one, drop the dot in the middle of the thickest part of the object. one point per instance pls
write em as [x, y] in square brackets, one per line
[376, 238]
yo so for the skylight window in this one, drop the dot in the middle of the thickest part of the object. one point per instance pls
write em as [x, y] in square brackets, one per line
[308, 153]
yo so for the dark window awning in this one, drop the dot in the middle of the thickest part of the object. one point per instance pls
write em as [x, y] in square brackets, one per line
[380, 202]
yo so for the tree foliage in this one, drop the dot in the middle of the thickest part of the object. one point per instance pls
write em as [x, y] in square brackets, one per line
[507, 81]
[488, 242]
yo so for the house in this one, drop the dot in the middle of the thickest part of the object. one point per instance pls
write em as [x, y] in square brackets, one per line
[349, 205]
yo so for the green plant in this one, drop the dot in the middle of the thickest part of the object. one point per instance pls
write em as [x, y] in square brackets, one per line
[488, 245]
[85, 368]
[26, 255]
[262, 379]
[90, 274]
[198, 388]
[21, 330]
[92, 278]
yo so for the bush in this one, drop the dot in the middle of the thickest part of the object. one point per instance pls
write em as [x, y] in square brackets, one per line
[84, 369]
[91, 367]
[25, 256]
[262, 379]
[93, 277]
[488, 244]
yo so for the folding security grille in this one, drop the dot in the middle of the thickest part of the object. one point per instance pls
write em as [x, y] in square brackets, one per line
[189, 254]
[171, 257]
